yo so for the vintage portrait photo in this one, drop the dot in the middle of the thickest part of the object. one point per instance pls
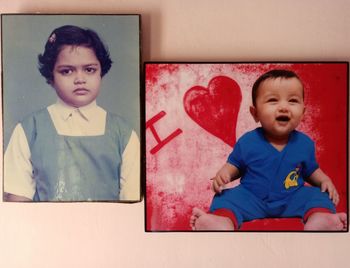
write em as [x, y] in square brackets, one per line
[71, 107]
[251, 146]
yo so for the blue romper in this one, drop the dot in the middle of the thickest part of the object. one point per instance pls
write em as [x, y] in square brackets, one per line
[272, 182]
[70, 168]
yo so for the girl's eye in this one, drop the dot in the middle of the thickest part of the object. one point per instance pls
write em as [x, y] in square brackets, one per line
[90, 70]
[66, 71]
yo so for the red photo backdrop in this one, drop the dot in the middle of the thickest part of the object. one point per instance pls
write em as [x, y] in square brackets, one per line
[196, 112]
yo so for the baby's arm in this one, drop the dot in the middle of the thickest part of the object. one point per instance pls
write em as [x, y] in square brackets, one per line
[320, 179]
[225, 175]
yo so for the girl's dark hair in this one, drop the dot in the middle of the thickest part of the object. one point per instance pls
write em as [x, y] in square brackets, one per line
[276, 73]
[75, 36]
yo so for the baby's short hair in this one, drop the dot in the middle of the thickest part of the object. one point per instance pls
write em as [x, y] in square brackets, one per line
[273, 74]
[75, 36]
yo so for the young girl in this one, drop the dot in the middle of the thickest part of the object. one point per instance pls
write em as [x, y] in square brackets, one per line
[73, 150]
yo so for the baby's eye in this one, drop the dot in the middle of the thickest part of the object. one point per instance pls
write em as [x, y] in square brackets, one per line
[294, 100]
[271, 100]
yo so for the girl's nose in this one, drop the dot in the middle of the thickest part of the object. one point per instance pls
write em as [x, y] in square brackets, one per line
[79, 78]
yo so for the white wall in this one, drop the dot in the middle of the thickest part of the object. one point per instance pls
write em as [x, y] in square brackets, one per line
[112, 235]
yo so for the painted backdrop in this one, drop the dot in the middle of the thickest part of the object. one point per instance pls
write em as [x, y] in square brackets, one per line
[196, 112]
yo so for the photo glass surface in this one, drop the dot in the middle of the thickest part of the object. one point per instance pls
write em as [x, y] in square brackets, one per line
[195, 113]
[87, 144]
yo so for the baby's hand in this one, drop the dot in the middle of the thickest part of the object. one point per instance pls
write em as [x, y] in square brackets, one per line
[328, 186]
[222, 177]
[218, 183]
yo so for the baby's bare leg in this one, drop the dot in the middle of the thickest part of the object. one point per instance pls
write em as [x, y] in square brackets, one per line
[320, 221]
[202, 221]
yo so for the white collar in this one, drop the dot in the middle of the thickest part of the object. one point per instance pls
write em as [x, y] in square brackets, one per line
[65, 110]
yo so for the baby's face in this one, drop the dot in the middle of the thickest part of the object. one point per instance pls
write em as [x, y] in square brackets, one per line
[279, 106]
[77, 75]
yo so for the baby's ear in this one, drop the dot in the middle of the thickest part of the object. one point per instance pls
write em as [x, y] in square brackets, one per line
[254, 113]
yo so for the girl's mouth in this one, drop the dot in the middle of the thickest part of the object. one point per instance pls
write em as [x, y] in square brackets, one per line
[80, 91]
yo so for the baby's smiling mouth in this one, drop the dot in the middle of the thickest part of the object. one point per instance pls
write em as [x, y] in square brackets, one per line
[282, 118]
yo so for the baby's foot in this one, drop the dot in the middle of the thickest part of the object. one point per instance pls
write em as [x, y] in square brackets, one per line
[326, 222]
[202, 221]
[196, 213]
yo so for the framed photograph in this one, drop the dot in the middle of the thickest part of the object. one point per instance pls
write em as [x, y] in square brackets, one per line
[71, 107]
[196, 113]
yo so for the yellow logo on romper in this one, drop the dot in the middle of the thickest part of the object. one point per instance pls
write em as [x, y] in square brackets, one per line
[292, 178]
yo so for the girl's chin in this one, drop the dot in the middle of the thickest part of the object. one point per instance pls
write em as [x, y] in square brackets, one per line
[79, 101]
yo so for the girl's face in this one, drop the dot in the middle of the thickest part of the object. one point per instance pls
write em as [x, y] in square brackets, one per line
[77, 75]
[279, 107]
